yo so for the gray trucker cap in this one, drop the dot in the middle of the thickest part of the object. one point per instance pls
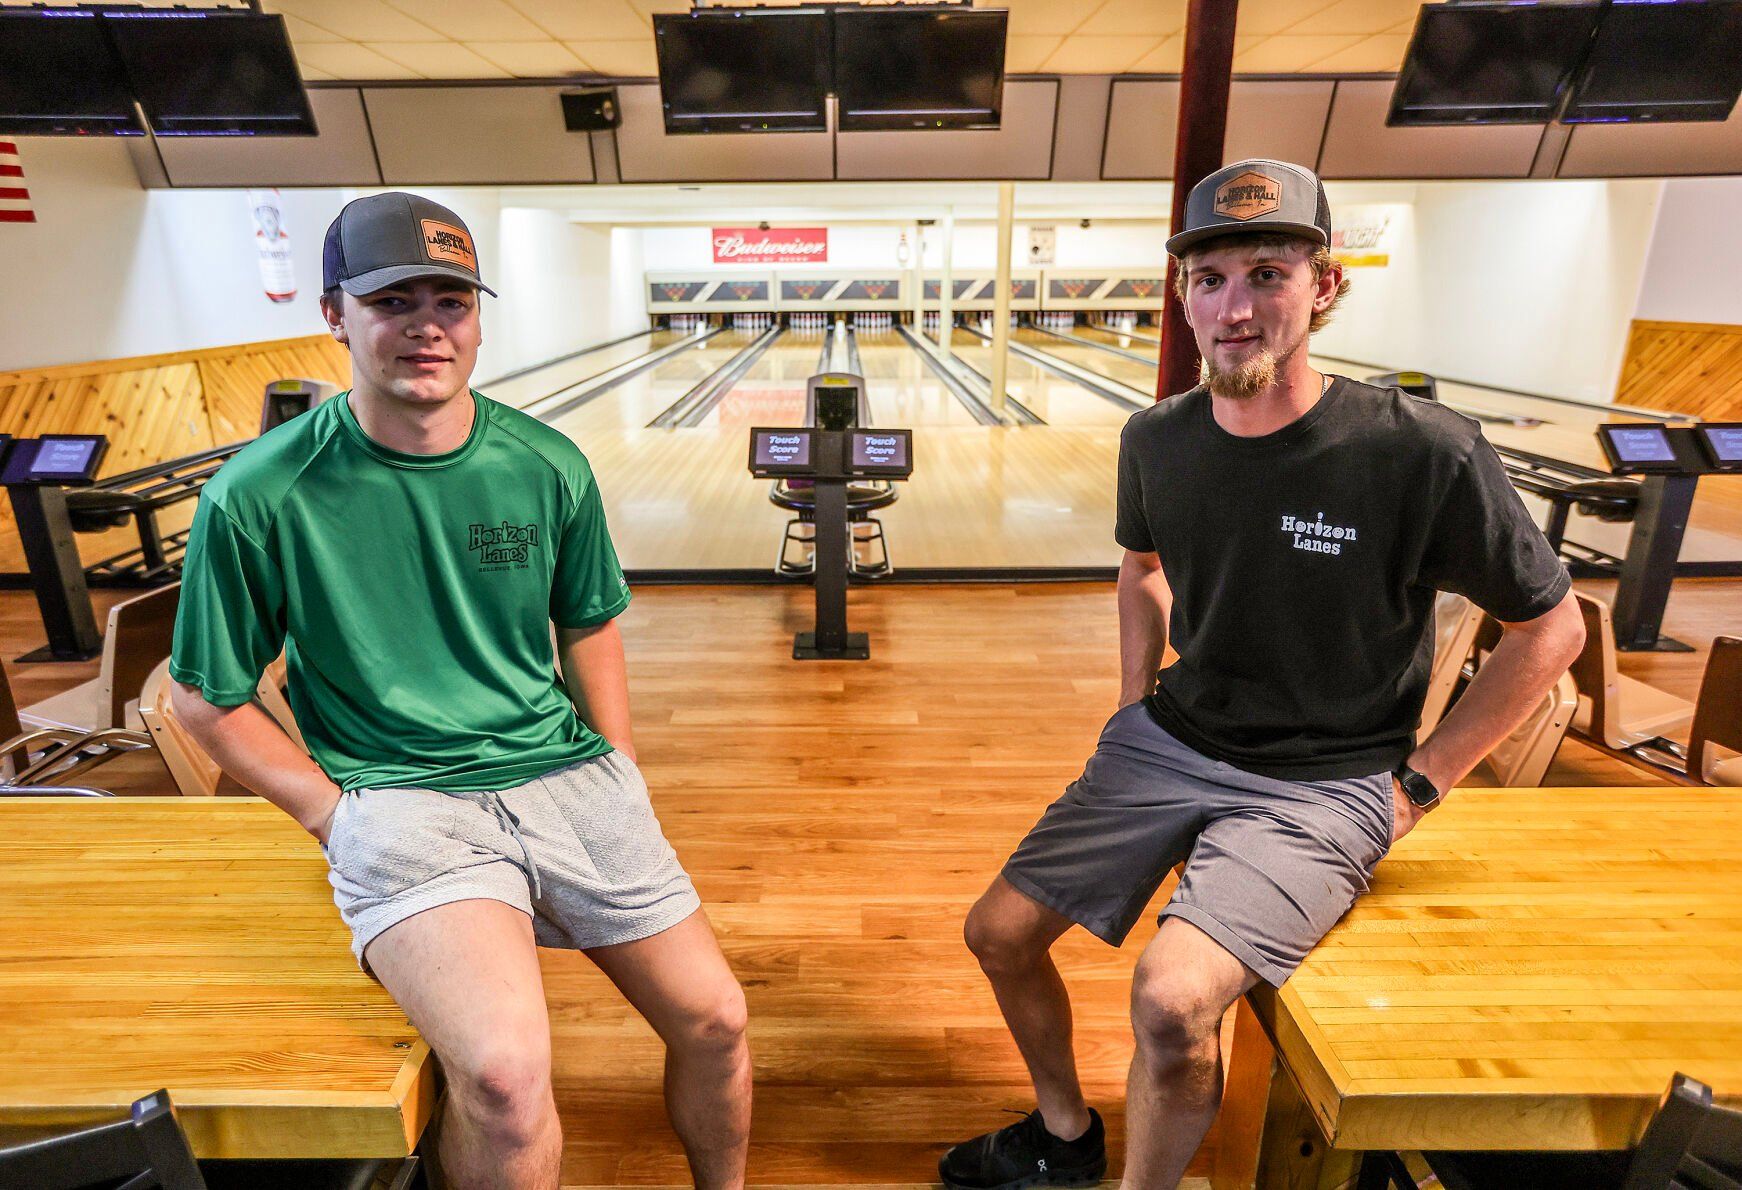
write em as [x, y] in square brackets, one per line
[1255, 195]
[384, 239]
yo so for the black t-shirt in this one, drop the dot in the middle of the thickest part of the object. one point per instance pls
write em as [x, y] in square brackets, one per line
[1304, 563]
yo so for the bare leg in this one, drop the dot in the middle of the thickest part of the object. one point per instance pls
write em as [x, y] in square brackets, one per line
[1010, 934]
[467, 976]
[679, 981]
[1185, 983]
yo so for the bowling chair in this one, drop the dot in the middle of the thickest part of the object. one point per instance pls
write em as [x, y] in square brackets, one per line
[137, 637]
[1455, 622]
[1522, 759]
[1690, 1144]
[194, 771]
[1615, 711]
[38, 763]
[1715, 740]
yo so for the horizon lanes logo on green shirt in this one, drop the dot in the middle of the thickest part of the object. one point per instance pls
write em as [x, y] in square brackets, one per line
[503, 544]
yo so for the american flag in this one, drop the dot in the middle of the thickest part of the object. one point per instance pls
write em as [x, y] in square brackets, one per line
[14, 198]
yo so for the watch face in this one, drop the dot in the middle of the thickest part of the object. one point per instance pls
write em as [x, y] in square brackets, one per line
[1418, 788]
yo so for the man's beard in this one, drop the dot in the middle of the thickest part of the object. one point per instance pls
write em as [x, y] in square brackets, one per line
[1250, 377]
[1244, 380]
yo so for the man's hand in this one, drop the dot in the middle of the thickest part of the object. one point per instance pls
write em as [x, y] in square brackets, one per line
[1404, 813]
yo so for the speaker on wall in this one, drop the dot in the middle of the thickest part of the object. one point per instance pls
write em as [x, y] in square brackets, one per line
[591, 111]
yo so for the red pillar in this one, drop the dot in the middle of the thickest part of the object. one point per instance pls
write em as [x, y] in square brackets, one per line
[1197, 153]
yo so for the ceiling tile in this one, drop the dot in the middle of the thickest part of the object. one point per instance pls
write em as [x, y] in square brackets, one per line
[471, 20]
[1023, 55]
[310, 74]
[530, 59]
[438, 60]
[1148, 18]
[1403, 26]
[348, 60]
[1038, 18]
[1166, 58]
[307, 33]
[1098, 55]
[1262, 17]
[1382, 53]
[360, 20]
[577, 20]
[1357, 16]
[1287, 53]
[648, 7]
[620, 59]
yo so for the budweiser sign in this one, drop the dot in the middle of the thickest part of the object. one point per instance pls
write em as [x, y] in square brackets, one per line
[784, 245]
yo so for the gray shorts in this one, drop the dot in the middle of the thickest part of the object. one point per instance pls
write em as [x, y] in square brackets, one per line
[1270, 864]
[578, 850]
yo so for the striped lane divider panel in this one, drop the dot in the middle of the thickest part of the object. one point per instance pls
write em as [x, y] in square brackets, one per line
[14, 198]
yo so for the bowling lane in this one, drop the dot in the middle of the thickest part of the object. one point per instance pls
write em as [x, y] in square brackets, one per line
[1056, 400]
[521, 391]
[902, 389]
[771, 393]
[638, 400]
[1129, 372]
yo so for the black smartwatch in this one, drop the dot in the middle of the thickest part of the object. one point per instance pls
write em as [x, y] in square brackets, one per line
[1417, 788]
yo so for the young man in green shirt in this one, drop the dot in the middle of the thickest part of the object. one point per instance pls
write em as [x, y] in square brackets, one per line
[409, 545]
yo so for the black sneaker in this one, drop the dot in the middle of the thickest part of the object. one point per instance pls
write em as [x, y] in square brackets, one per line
[1026, 1154]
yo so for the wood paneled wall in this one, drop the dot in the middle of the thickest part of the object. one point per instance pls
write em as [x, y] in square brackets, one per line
[156, 407]
[1688, 367]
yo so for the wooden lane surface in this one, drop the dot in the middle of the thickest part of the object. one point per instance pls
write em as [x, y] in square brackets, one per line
[193, 945]
[1527, 972]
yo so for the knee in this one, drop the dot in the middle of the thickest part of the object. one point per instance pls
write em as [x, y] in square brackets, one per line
[999, 948]
[719, 1024]
[1175, 1021]
[505, 1089]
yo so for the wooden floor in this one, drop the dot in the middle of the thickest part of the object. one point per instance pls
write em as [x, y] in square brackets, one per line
[839, 819]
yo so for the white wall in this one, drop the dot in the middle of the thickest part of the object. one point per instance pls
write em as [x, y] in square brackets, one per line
[1523, 285]
[110, 270]
[1694, 270]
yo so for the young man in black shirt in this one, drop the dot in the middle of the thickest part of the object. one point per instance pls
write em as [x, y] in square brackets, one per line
[1286, 532]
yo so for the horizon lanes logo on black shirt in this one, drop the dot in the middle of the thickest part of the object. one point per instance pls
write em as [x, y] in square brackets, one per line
[503, 544]
[1316, 536]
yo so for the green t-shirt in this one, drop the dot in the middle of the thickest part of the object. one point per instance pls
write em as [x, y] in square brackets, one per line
[413, 596]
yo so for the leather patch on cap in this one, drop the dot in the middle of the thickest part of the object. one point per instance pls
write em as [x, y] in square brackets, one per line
[1247, 196]
[448, 244]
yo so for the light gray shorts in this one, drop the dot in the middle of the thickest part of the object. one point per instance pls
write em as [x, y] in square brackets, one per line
[1270, 864]
[578, 850]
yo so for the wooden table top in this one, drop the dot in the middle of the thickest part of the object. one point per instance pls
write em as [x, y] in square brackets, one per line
[193, 944]
[1529, 969]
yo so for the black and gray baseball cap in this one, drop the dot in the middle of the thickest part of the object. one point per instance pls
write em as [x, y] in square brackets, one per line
[384, 239]
[1255, 195]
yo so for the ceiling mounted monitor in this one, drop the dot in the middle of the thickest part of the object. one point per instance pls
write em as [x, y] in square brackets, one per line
[1658, 61]
[744, 70]
[899, 66]
[1490, 62]
[59, 77]
[212, 73]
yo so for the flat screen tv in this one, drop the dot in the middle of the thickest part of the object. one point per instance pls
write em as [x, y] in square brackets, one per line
[59, 76]
[1490, 62]
[212, 73]
[1678, 61]
[744, 70]
[899, 66]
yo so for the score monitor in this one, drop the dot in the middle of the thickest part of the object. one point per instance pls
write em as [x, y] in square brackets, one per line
[777, 451]
[1641, 449]
[1722, 443]
[70, 460]
[880, 454]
